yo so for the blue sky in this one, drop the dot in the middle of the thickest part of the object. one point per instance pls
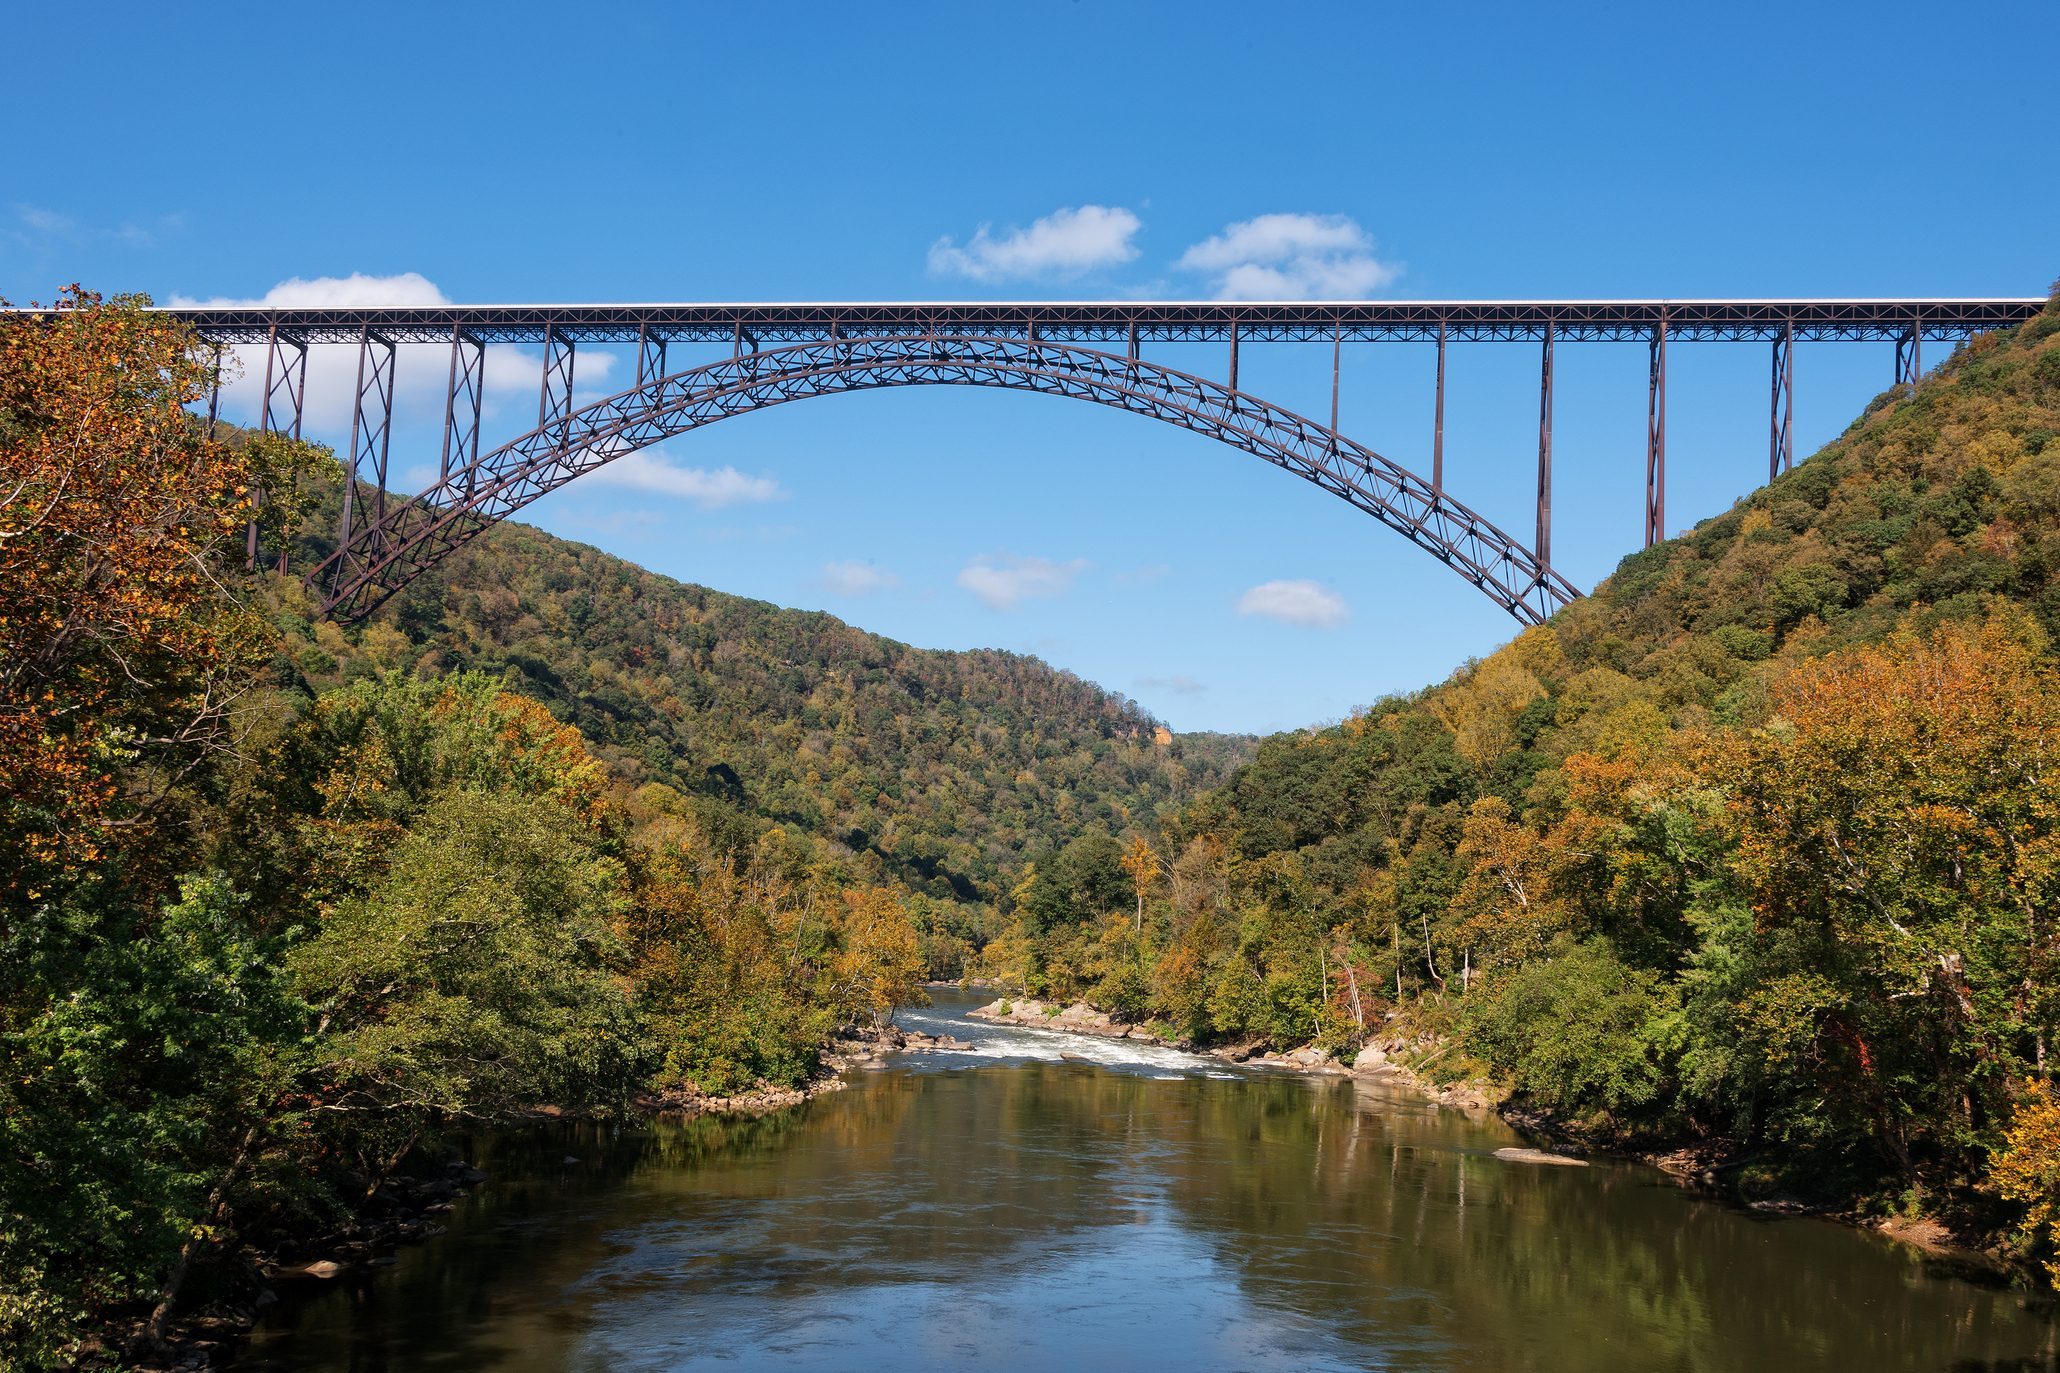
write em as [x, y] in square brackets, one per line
[968, 151]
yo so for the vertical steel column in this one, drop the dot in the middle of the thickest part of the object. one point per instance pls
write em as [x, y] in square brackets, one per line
[287, 377]
[554, 402]
[1909, 355]
[651, 352]
[1438, 426]
[1656, 437]
[1337, 348]
[371, 430]
[214, 393]
[1544, 546]
[282, 376]
[1233, 363]
[463, 400]
[1133, 340]
[1781, 407]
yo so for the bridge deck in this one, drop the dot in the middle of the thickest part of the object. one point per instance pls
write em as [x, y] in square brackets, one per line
[1119, 321]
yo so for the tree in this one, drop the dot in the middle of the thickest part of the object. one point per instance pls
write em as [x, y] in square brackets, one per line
[478, 975]
[1897, 835]
[120, 649]
[2027, 1169]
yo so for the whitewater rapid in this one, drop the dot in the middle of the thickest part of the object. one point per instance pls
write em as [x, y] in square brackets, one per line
[998, 1044]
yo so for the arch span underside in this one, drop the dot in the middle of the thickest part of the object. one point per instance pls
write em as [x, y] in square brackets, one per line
[381, 555]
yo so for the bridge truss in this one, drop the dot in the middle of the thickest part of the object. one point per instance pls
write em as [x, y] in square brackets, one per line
[782, 352]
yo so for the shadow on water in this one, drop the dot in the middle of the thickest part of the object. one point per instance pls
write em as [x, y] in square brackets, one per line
[1076, 1216]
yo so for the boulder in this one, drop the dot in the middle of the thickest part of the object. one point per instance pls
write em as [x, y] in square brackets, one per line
[1370, 1059]
[1539, 1156]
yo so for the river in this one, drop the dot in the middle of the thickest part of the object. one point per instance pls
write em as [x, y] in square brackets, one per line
[1140, 1210]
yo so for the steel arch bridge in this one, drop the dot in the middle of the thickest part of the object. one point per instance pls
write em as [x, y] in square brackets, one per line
[384, 547]
[777, 353]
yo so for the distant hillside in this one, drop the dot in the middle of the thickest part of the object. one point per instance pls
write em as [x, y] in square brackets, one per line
[1938, 504]
[950, 767]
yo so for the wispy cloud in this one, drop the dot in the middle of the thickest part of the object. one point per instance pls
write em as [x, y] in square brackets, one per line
[710, 488]
[1065, 243]
[39, 227]
[42, 221]
[1291, 257]
[1178, 684]
[857, 579]
[1004, 581]
[1296, 603]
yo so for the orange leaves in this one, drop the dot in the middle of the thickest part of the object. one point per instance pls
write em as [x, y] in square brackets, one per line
[1909, 777]
[112, 625]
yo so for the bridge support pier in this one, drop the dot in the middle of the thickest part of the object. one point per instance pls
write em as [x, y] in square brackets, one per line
[286, 388]
[462, 403]
[214, 393]
[285, 377]
[1438, 422]
[1337, 357]
[371, 428]
[1656, 437]
[1909, 356]
[1543, 547]
[554, 403]
[1781, 411]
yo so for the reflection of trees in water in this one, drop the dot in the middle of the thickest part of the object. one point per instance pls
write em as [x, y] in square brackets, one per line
[1364, 1213]
[1391, 1216]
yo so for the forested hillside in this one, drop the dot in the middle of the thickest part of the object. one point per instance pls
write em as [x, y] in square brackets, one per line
[1760, 843]
[274, 921]
[949, 768]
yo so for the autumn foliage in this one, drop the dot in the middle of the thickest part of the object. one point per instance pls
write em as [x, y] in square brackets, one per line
[117, 648]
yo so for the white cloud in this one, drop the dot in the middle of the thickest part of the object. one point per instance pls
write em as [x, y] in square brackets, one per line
[1064, 243]
[422, 370]
[1296, 603]
[857, 579]
[357, 289]
[1178, 684]
[1291, 257]
[1003, 581]
[709, 488]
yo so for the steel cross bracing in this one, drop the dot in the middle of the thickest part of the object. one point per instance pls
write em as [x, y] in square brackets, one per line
[371, 565]
[851, 330]
[1127, 322]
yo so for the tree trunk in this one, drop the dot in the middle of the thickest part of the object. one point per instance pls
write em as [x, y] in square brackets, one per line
[153, 1337]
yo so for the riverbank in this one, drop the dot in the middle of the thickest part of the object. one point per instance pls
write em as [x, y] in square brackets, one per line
[852, 1049]
[403, 1210]
[1383, 1060]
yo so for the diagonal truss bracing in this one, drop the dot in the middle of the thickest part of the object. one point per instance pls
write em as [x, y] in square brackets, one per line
[372, 564]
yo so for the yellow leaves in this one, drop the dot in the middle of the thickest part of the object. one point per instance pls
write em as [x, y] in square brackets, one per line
[2028, 1168]
[1481, 707]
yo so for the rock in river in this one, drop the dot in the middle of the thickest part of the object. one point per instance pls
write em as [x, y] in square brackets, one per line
[1539, 1156]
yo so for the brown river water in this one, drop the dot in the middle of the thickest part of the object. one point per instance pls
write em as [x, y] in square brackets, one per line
[1141, 1210]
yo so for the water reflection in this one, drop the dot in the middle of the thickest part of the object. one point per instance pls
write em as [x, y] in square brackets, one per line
[1057, 1215]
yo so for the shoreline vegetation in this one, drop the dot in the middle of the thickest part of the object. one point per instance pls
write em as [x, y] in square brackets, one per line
[1748, 861]
[1701, 1168]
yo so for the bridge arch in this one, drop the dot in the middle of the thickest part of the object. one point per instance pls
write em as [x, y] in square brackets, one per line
[377, 556]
